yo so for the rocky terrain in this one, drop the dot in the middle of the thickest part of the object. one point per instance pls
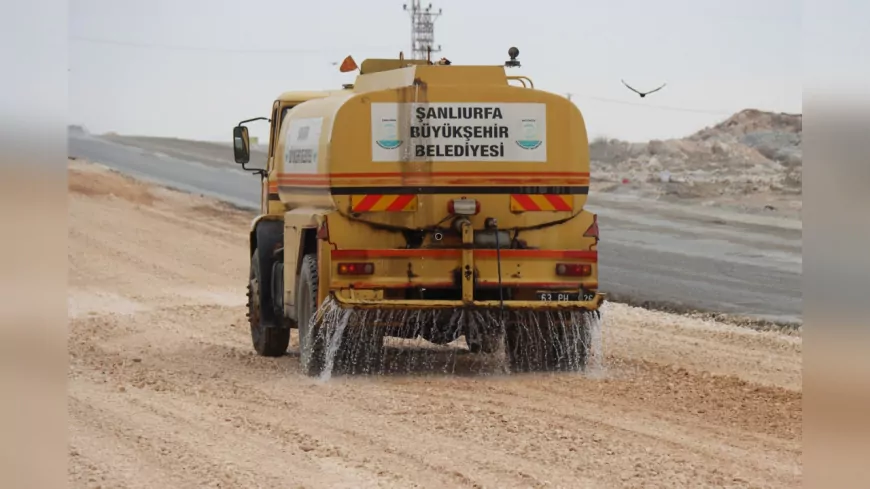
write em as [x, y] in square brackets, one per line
[753, 159]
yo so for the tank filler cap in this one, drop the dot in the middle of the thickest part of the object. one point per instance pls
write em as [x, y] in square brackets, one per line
[513, 52]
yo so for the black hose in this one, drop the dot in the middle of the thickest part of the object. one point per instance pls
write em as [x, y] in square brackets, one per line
[498, 264]
[437, 227]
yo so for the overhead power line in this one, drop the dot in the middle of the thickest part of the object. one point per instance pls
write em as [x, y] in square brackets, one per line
[225, 50]
[419, 47]
[653, 106]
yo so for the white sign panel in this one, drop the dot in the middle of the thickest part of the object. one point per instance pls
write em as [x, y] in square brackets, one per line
[301, 145]
[459, 132]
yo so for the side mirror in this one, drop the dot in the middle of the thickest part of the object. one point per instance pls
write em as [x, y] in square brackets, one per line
[241, 145]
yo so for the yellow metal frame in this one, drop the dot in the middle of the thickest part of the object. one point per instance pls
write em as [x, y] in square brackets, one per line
[592, 305]
[467, 291]
[522, 79]
[467, 262]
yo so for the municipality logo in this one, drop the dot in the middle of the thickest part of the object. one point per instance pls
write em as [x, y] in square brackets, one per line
[389, 135]
[531, 138]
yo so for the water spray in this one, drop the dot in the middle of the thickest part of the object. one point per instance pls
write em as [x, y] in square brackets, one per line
[539, 339]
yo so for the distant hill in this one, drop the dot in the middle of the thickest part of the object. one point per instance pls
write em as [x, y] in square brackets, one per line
[751, 152]
[76, 129]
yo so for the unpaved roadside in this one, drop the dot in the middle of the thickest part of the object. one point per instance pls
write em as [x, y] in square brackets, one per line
[165, 391]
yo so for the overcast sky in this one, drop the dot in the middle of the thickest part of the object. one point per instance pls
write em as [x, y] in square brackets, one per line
[194, 68]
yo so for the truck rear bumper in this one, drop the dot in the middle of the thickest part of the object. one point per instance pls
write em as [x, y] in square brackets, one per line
[472, 268]
[590, 305]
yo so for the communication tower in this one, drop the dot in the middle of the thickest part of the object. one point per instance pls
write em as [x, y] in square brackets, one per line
[422, 29]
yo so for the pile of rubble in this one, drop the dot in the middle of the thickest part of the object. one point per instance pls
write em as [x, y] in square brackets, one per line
[752, 152]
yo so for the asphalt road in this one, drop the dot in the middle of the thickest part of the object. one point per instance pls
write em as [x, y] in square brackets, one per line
[668, 255]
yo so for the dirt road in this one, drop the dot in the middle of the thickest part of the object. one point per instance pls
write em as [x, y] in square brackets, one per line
[165, 391]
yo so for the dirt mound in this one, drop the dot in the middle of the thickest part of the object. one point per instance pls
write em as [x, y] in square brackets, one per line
[164, 390]
[775, 136]
[93, 180]
[752, 121]
[752, 153]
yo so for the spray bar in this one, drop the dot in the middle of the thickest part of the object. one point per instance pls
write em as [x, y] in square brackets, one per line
[591, 305]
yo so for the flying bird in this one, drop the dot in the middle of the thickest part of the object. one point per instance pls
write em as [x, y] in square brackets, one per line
[643, 94]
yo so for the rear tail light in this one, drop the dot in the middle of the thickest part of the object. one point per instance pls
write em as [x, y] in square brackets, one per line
[592, 232]
[356, 268]
[574, 269]
[463, 207]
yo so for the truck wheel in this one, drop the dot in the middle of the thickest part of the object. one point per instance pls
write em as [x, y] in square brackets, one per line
[489, 344]
[479, 336]
[268, 342]
[312, 344]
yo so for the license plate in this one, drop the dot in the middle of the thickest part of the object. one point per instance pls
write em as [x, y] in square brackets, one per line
[565, 296]
[558, 296]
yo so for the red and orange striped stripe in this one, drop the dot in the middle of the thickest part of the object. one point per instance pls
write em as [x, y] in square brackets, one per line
[383, 203]
[545, 202]
[363, 254]
[433, 178]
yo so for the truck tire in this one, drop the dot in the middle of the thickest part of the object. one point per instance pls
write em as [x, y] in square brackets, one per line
[312, 344]
[484, 336]
[268, 342]
[488, 343]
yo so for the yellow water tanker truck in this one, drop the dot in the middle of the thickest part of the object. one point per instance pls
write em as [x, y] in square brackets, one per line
[432, 188]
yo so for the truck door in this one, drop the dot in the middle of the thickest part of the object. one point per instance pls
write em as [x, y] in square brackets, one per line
[273, 134]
